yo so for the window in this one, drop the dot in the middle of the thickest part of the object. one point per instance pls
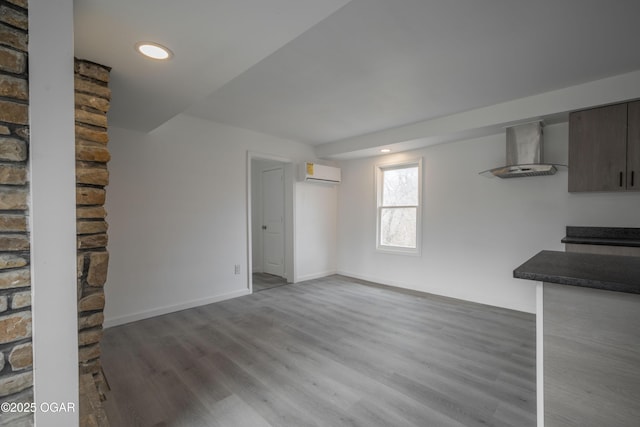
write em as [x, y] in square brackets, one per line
[399, 199]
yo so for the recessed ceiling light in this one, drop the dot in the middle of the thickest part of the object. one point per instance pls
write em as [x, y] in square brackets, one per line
[153, 50]
[385, 150]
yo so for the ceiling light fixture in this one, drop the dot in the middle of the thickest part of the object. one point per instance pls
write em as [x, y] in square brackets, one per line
[385, 150]
[153, 50]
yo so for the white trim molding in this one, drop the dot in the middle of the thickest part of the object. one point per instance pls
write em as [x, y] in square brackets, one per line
[121, 320]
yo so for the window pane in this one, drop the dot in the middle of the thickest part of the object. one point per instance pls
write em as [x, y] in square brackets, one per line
[398, 227]
[400, 187]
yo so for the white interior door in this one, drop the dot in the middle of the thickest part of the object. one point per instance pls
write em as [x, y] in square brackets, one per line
[273, 221]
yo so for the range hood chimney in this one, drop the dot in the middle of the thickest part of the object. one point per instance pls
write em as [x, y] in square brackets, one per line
[524, 153]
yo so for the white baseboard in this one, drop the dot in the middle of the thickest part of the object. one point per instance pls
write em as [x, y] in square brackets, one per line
[378, 281]
[402, 285]
[121, 320]
[314, 276]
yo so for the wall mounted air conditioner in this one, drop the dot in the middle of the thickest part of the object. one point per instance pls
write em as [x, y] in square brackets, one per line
[312, 172]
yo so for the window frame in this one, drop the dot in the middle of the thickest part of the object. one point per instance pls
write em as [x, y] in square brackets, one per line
[379, 176]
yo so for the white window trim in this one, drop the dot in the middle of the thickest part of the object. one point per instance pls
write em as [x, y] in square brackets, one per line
[379, 168]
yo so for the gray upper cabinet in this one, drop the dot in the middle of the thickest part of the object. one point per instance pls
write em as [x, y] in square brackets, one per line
[633, 147]
[598, 149]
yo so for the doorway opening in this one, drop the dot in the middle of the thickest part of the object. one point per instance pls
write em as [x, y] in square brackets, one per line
[270, 225]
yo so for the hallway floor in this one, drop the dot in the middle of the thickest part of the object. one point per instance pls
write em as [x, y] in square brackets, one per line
[262, 281]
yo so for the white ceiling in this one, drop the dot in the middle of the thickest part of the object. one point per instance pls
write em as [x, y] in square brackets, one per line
[213, 41]
[323, 71]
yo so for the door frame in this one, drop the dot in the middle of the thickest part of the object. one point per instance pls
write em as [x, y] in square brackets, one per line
[290, 220]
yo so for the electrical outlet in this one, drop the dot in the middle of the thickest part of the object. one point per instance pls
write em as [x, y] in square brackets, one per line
[236, 269]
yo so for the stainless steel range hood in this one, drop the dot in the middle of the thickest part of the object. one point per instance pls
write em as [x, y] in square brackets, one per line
[524, 153]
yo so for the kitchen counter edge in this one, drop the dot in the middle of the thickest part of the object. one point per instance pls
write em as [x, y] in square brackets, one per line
[606, 272]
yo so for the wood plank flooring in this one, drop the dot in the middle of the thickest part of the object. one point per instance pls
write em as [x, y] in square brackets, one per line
[262, 281]
[327, 352]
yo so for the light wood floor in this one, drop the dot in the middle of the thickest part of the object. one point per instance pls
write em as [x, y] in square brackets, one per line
[327, 352]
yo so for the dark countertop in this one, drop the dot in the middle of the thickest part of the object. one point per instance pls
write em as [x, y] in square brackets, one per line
[610, 236]
[607, 272]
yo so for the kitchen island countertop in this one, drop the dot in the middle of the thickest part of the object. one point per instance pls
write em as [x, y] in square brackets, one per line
[607, 272]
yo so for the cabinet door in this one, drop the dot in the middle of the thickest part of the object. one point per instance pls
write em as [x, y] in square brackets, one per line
[598, 149]
[633, 147]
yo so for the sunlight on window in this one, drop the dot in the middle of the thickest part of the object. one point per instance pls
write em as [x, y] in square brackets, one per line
[400, 187]
[398, 207]
[398, 227]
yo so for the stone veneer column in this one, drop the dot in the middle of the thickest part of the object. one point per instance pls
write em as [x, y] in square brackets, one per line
[16, 356]
[92, 98]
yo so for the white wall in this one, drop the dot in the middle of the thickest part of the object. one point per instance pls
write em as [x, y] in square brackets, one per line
[475, 230]
[316, 214]
[177, 213]
[52, 211]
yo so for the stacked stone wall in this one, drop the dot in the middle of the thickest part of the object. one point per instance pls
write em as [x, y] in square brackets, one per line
[16, 355]
[92, 99]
